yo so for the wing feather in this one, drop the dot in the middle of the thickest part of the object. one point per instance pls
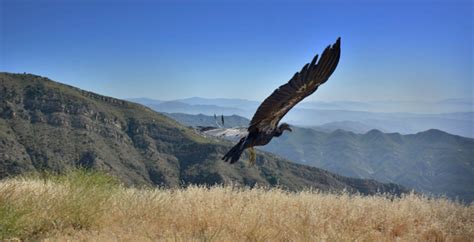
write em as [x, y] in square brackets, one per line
[301, 85]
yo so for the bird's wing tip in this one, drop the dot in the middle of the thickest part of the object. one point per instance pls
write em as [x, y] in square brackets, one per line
[338, 42]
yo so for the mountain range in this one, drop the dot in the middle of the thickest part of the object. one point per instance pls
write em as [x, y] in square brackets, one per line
[453, 105]
[232, 121]
[357, 116]
[45, 125]
[431, 161]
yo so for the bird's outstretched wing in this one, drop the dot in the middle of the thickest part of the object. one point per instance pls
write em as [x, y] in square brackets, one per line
[301, 85]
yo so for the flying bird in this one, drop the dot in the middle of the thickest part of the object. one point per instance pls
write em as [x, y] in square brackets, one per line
[264, 124]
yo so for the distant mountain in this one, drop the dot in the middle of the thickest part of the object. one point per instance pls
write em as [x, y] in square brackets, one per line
[405, 123]
[223, 102]
[238, 121]
[145, 101]
[180, 107]
[312, 114]
[45, 125]
[206, 120]
[432, 161]
[337, 105]
[457, 101]
[443, 106]
[454, 105]
[352, 126]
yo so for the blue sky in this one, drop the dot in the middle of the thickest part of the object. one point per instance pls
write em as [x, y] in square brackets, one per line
[391, 50]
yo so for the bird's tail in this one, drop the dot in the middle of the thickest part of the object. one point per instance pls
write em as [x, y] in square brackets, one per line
[234, 154]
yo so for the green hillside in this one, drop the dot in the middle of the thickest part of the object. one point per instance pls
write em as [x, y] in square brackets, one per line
[432, 161]
[45, 125]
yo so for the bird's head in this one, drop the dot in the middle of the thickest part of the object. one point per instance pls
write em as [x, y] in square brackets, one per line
[284, 126]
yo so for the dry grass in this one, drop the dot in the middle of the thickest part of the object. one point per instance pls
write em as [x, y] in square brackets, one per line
[87, 206]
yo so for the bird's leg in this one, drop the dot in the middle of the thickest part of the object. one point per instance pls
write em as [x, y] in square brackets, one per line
[252, 155]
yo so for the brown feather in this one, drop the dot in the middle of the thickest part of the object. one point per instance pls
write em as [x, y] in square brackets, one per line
[301, 85]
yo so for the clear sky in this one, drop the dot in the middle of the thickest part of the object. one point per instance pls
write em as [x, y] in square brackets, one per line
[391, 50]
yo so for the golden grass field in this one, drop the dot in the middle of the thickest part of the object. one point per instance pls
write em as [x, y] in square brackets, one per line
[92, 206]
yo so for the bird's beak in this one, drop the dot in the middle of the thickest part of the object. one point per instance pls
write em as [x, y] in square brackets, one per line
[289, 129]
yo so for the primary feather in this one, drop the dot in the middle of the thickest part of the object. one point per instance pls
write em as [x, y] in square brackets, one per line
[264, 124]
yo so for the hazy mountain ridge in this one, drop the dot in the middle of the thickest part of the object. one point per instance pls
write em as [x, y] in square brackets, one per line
[47, 125]
[206, 120]
[352, 126]
[311, 114]
[180, 107]
[452, 105]
[441, 106]
[432, 161]
[232, 121]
